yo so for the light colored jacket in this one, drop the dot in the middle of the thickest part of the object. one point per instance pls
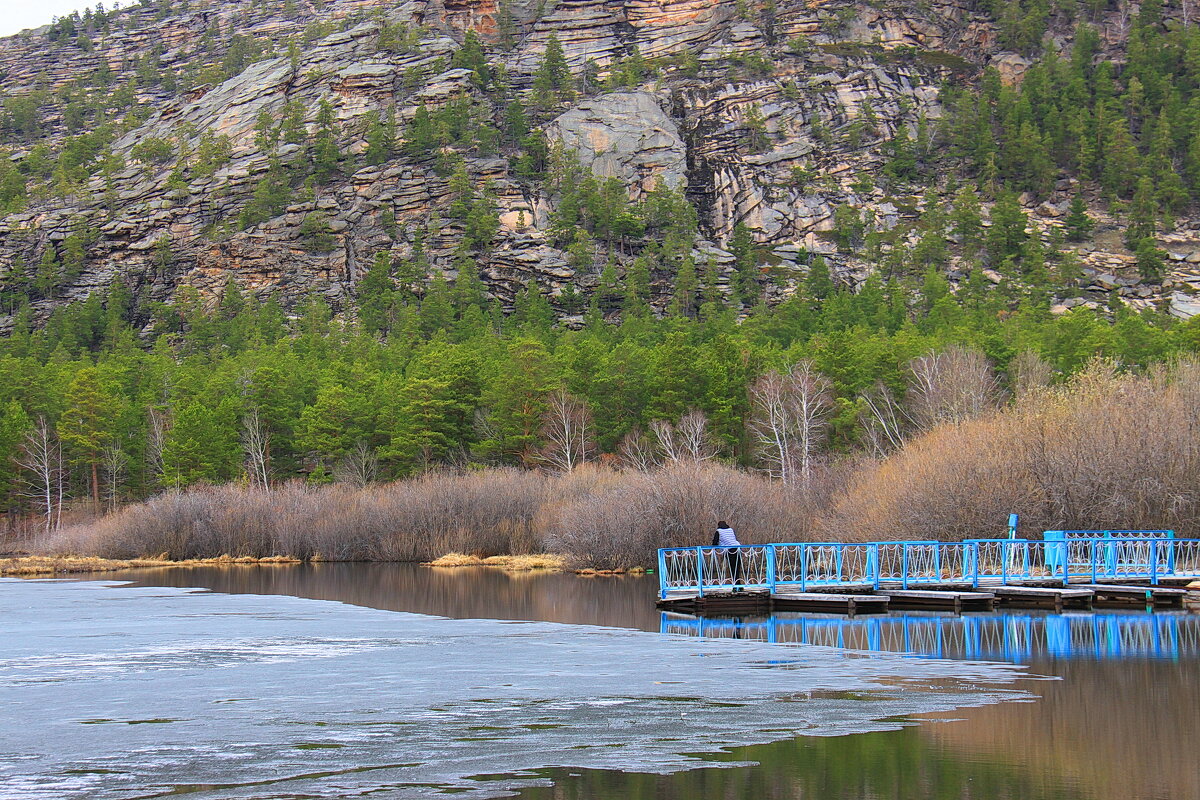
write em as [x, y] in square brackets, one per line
[727, 538]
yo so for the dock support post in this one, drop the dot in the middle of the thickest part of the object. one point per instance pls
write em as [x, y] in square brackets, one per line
[1004, 555]
[662, 574]
[700, 570]
[904, 565]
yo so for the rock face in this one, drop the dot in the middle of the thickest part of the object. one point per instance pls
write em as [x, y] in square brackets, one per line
[627, 136]
[771, 118]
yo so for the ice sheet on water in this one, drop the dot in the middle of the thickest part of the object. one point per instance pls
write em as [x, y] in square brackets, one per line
[133, 692]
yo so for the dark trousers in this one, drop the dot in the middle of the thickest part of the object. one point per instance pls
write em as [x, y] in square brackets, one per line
[734, 559]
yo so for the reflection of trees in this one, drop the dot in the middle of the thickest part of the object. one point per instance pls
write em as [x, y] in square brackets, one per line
[889, 765]
[463, 592]
[1120, 730]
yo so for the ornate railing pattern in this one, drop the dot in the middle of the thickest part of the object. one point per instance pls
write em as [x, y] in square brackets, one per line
[804, 565]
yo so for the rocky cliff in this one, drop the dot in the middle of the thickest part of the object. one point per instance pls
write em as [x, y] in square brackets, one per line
[769, 115]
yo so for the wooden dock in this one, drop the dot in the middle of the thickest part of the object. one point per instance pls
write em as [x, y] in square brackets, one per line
[1141, 596]
[935, 599]
[850, 604]
[1043, 597]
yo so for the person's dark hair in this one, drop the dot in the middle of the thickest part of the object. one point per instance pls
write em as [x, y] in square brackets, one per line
[722, 524]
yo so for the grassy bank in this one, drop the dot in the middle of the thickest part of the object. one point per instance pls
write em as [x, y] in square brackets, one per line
[26, 566]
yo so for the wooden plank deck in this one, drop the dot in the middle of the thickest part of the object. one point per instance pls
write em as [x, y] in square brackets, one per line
[942, 600]
[1043, 597]
[850, 604]
[1137, 595]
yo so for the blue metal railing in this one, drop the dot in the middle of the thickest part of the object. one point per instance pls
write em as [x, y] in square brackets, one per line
[811, 565]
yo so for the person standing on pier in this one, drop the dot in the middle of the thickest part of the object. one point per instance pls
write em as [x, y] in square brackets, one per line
[725, 537]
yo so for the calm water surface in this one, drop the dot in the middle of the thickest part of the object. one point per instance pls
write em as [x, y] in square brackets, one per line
[1121, 723]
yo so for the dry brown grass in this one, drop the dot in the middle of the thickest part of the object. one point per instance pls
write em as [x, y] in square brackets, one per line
[55, 565]
[545, 561]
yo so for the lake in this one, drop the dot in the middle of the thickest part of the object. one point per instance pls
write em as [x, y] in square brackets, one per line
[557, 686]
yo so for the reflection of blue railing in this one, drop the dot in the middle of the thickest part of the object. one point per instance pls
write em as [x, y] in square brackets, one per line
[1003, 637]
[804, 565]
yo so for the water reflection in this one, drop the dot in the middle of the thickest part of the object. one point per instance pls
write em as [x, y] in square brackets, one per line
[1018, 638]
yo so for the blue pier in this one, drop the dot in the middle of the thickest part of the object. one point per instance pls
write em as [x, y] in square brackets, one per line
[921, 573]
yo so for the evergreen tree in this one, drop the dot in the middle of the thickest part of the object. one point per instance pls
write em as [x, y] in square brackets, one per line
[377, 295]
[326, 155]
[1078, 224]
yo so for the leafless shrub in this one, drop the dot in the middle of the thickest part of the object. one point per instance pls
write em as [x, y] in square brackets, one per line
[1030, 373]
[621, 523]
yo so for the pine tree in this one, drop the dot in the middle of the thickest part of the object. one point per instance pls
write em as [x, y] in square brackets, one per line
[1143, 213]
[552, 78]
[1007, 233]
[1078, 224]
[745, 264]
[325, 153]
[376, 295]
[683, 301]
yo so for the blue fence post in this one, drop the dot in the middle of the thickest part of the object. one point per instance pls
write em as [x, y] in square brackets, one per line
[1004, 562]
[1025, 563]
[975, 565]
[662, 574]
[771, 579]
[875, 570]
[803, 567]
[904, 565]
[700, 569]
[1093, 546]
[1154, 562]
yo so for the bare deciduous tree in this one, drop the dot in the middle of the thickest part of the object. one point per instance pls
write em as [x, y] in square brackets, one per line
[887, 423]
[359, 467]
[158, 423]
[113, 461]
[954, 385]
[637, 452]
[789, 418]
[688, 440]
[567, 429]
[256, 445]
[40, 455]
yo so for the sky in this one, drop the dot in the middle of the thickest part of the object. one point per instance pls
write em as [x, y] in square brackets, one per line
[17, 15]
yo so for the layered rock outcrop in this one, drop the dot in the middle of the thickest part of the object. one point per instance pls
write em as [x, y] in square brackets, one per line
[772, 118]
